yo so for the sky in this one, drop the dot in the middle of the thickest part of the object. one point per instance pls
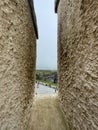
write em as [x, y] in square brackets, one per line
[47, 29]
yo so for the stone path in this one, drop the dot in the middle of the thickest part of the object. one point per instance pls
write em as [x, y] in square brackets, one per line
[43, 90]
[46, 114]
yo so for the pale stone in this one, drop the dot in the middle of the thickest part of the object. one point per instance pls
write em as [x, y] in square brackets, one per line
[78, 62]
[17, 64]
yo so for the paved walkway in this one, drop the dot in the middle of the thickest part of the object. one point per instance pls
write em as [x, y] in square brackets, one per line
[44, 90]
[46, 114]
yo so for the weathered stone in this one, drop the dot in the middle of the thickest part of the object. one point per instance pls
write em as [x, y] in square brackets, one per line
[17, 64]
[78, 62]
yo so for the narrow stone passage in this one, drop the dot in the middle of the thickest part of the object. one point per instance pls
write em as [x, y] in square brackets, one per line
[47, 114]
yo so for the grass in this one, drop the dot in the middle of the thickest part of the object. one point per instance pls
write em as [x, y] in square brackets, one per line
[53, 85]
[46, 114]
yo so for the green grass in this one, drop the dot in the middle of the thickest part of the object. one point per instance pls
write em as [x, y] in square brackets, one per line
[53, 85]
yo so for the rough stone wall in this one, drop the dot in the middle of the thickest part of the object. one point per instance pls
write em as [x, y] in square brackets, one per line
[17, 64]
[78, 62]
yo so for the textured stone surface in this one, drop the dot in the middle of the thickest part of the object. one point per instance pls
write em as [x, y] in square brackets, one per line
[17, 64]
[78, 62]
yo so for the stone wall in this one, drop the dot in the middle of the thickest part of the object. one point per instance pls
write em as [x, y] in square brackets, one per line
[17, 64]
[78, 62]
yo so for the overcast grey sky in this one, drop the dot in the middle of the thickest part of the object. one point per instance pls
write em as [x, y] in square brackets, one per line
[47, 27]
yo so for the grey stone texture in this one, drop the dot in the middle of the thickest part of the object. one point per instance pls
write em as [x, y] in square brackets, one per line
[17, 64]
[78, 62]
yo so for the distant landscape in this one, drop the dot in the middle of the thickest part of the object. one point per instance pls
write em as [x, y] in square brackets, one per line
[47, 77]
